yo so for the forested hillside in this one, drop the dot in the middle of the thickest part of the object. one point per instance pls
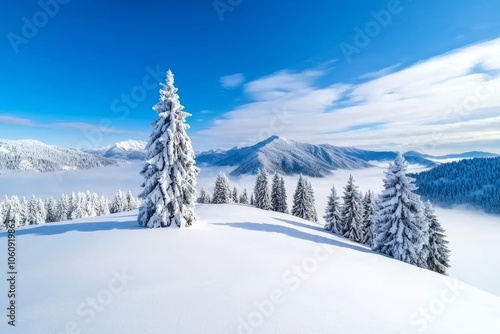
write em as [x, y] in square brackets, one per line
[471, 181]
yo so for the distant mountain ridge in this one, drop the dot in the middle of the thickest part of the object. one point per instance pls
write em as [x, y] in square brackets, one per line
[33, 155]
[291, 157]
[126, 150]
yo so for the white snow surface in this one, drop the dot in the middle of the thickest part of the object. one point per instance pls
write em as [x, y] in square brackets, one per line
[220, 277]
[475, 251]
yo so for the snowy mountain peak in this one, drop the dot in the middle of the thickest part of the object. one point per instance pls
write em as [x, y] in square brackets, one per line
[127, 150]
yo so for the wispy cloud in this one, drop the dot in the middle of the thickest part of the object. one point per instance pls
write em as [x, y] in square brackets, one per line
[450, 98]
[380, 73]
[233, 80]
[77, 126]
[12, 120]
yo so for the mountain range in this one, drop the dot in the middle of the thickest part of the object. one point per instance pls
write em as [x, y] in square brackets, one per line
[33, 155]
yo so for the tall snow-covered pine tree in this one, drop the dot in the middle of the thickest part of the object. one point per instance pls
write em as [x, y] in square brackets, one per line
[399, 226]
[169, 194]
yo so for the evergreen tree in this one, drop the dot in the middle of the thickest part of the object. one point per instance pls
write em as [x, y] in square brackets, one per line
[399, 226]
[119, 203]
[51, 209]
[222, 192]
[169, 194]
[36, 211]
[351, 214]
[104, 206]
[368, 212]
[204, 197]
[311, 213]
[252, 200]
[23, 212]
[63, 208]
[132, 202]
[235, 195]
[437, 248]
[278, 194]
[90, 209]
[262, 198]
[244, 197]
[282, 202]
[332, 214]
[275, 192]
[303, 201]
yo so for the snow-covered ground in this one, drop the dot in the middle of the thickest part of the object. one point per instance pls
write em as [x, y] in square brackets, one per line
[238, 270]
[475, 256]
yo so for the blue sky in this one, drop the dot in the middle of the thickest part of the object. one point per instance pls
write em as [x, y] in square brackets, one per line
[374, 74]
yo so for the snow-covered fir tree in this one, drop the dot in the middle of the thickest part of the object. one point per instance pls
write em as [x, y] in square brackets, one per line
[312, 215]
[36, 211]
[63, 208]
[234, 195]
[399, 225]
[51, 210]
[262, 193]
[278, 194]
[169, 194]
[104, 206]
[351, 213]
[303, 201]
[332, 214]
[23, 212]
[204, 197]
[252, 199]
[244, 197]
[132, 202]
[283, 205]
[368, 212]
[222, 191]
[437, 247]
[90, 206]
[119, 202]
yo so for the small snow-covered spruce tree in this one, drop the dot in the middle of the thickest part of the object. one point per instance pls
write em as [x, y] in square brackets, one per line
[303, 201]
[262, 193]
[169, 194]
[437, 247]
[222, 191]
[312, 215]
[278, 194]
[282, 203]
[368, 212]
[204, 197]
[244, 197]
[234, 195]
[275, 193]
[332, 214]
[399, 225]
[351, 214]
[252, 200]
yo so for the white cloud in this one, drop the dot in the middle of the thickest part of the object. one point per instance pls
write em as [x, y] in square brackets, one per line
[233, 80]
[448, 99]
[78, 126]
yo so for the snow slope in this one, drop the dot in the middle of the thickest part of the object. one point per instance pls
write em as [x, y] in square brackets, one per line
[239, 270]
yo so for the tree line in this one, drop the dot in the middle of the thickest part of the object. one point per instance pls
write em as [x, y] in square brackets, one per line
[37, 211]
